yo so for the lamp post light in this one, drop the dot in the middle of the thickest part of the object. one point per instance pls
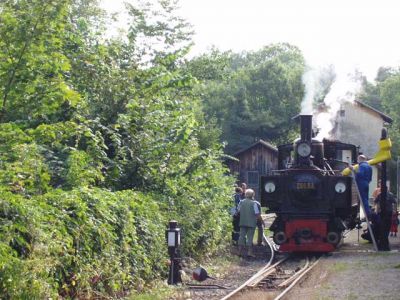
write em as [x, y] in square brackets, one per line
[173, 237]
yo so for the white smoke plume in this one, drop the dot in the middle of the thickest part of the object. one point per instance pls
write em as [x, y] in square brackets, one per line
[310, 80]
[343, 89]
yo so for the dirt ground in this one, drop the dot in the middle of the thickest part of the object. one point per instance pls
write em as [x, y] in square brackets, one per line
[354, 271]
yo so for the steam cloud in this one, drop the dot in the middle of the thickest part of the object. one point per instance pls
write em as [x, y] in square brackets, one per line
[310, 82]
[344, 87]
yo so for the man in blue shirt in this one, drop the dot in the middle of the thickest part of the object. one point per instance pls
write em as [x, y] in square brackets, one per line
[363, 178]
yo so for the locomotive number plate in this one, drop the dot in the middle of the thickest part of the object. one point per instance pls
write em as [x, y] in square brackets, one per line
[305, 186]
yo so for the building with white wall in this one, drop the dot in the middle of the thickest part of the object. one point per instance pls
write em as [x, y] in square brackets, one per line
[361, 125]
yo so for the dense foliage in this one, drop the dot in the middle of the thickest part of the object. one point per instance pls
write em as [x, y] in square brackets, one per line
[102, 142]
[251, 95]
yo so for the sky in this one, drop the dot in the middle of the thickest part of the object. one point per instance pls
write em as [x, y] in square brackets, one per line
[348, 34]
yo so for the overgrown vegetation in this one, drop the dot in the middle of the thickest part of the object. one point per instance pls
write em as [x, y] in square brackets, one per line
[101, 143]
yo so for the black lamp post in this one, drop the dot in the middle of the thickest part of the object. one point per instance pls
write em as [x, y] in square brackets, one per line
[173, 237]
[383, 243]
[383, 179]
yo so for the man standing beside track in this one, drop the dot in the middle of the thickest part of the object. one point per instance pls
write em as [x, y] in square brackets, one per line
[363, 178]
[249, 214]
[384, 220]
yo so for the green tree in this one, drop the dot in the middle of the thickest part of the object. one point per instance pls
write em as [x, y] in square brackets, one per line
[384, 95]
[255, 96]
[32, 64]
[390, 95]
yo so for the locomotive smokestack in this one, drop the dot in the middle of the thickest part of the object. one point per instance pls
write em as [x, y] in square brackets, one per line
[306, 127]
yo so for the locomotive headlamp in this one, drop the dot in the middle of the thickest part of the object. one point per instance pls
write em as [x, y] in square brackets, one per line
[303, 149]
[270, 187]
[340, 187]
[280, 238]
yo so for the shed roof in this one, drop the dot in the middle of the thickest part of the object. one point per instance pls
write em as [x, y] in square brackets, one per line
[259, 142]
[385, 117]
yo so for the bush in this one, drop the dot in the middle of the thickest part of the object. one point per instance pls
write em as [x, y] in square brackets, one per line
[79, 242]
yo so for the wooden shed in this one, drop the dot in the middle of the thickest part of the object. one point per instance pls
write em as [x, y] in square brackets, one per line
[258, 159]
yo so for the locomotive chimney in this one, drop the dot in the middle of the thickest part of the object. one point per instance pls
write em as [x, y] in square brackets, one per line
[306, 127]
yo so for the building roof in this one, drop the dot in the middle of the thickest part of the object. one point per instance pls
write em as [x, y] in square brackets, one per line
[385, 117]
[259, 142]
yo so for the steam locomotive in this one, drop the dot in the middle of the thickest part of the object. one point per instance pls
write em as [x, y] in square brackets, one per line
[313, 202]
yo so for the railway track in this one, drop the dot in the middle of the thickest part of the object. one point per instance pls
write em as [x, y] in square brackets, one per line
[279, 278]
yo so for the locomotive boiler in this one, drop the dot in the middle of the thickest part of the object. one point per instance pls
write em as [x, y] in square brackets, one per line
[313, 202]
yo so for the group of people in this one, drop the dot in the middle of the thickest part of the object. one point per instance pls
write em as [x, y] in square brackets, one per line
[383, 222]
[246, 217]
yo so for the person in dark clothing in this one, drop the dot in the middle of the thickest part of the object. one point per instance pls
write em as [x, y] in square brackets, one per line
[243, 186]
[260, 227]
[363, 178]
[395, 222]
[384, 220]
[237, 196]
[235, 215]
[381, 222]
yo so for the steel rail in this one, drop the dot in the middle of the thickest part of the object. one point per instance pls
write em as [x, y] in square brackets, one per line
[281, 295]
[264, 269]
[295, 275]
[261, 275]
[272, 248]
[254, 277]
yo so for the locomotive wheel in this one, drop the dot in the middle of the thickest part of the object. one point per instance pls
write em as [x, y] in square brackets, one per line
[333, 237]
[280, 238]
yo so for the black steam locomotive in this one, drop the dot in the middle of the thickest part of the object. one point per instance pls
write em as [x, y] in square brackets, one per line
[313, 202]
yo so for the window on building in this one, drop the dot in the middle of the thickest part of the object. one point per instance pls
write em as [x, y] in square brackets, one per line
[339, 154]
[342, 112]
[252, 177]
